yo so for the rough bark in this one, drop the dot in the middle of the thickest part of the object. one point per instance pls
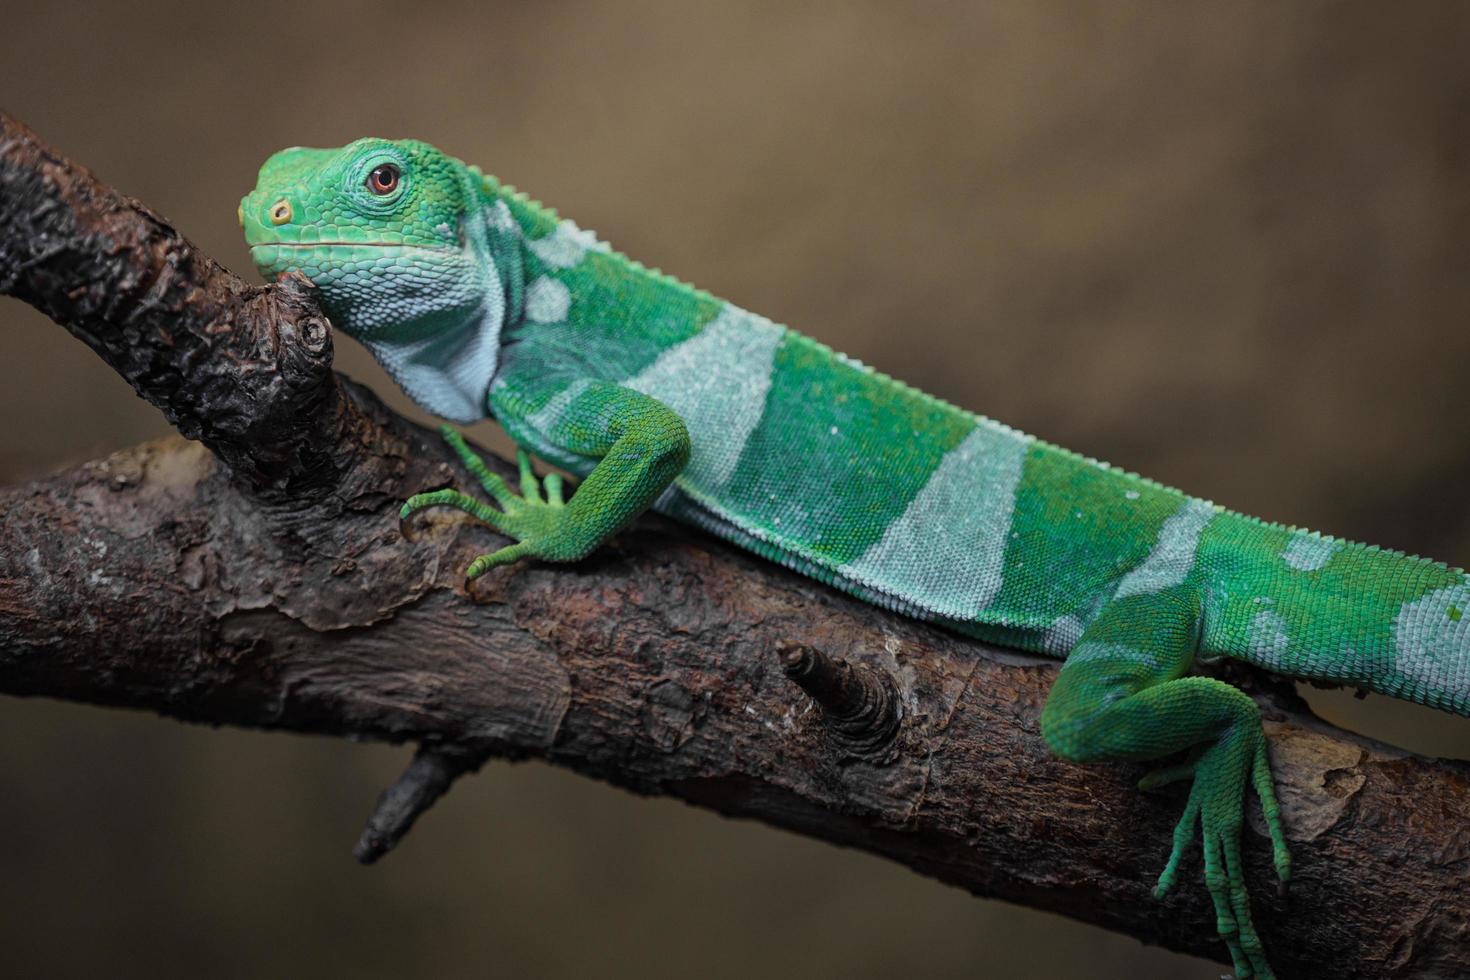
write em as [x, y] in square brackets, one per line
[259, 579]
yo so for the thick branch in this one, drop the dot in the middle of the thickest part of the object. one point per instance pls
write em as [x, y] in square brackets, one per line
[158, 579]
[245, 369]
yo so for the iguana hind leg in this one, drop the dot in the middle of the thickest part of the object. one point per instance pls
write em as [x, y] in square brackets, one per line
[1122, 696]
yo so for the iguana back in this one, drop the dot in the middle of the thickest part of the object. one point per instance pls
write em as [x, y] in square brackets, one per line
[817, 461]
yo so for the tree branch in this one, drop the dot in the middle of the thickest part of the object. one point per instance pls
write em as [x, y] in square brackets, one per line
[245, 369]
[274, 591]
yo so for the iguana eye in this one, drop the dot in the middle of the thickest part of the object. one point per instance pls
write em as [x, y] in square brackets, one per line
[383, 179]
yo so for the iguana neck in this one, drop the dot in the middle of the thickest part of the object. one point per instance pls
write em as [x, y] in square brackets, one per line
[445, 355]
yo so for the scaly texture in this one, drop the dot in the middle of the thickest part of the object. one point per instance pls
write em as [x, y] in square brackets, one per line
[480, 301]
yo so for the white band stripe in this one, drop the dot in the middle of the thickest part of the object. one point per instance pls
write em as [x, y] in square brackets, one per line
[717, 382]
[946, 552]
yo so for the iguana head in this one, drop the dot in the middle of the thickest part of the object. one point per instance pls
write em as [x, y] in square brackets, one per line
[393, 234]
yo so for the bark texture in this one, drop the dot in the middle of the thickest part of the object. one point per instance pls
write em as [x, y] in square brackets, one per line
[257, 577]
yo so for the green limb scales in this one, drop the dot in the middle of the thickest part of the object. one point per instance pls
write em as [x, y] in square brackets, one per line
[1122, 695]
[640, 444]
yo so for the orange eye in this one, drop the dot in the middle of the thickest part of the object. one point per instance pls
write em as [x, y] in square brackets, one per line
[383, 179]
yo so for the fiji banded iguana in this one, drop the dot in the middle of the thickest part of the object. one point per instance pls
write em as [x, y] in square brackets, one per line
[479, 301]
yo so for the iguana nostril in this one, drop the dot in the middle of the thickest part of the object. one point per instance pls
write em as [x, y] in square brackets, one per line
[280, 212]
[240, 214]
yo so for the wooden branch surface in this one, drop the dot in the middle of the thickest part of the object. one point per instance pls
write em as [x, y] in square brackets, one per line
[259, 579]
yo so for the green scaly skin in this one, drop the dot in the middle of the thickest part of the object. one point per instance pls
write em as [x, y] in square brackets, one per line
[479, 300]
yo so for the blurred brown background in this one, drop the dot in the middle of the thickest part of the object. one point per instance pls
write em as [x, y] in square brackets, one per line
[1220, 244]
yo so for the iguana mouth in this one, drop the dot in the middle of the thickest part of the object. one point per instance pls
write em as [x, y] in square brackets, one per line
[430, 248]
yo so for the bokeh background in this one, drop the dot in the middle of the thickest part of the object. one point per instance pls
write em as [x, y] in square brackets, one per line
[1221, 244]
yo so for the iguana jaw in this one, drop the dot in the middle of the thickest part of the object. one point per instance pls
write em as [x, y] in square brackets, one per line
[427, 248]
[323, 261]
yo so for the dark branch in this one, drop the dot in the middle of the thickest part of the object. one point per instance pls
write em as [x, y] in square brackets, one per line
[276, 592]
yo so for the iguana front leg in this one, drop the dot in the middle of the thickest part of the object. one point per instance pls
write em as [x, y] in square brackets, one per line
[1121, 696]
[641, 445]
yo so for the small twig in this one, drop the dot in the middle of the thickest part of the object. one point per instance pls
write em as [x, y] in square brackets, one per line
[428, 777]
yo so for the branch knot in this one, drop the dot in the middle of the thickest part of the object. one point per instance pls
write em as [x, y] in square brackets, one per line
[859, 703]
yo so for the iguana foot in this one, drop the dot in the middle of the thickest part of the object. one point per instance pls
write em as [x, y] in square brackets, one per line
[1216, 803]
[538, 524]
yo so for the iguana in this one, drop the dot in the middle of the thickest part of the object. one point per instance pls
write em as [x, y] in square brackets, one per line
[480, 301]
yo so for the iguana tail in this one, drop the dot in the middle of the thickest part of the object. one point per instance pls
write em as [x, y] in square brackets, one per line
[1319, 608]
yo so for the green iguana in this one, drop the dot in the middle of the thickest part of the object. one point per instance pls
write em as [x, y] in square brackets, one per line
[480, 301]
